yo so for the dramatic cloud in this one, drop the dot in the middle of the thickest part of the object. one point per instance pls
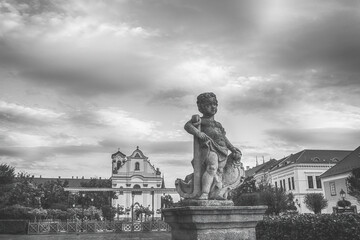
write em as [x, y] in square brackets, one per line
[80, 80]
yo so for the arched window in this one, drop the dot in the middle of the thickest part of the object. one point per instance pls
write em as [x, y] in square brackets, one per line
[137, 166]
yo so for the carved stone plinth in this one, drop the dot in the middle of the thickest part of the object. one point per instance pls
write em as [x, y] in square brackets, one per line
[213, 222]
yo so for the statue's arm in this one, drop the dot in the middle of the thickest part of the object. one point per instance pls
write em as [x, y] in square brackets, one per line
[191, 127]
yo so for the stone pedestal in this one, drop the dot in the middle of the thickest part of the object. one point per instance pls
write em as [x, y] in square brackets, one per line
[213, 222]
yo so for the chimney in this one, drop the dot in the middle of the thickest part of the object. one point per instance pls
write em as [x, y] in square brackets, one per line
[100, 178]
[40, 176]
[59, 176]
[82, 177]
[72, 177]
[77, 177]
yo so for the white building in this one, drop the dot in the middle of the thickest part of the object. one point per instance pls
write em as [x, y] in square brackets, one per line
[335, 179]
[300, 173]
[138, 182]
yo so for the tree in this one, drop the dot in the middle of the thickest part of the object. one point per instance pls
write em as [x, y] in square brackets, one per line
[315, 202]
[98, 199]
[275, 199]
[167, 201]
[24, 192]
[54, 195]
[250, 194]
[108, 212]
[7, 179]
[354, 183]
[7, 174]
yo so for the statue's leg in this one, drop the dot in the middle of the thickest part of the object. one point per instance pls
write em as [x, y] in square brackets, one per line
[219, 174]
[209, 174]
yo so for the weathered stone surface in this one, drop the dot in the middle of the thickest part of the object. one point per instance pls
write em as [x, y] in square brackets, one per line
[215, 172]
[213, 222]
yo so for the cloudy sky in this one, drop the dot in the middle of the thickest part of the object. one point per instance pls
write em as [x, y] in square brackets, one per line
[80, 79]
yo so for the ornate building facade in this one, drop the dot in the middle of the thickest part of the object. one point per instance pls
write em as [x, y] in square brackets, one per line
[137, 183]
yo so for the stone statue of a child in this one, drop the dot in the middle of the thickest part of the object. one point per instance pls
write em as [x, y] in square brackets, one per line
[213, 143]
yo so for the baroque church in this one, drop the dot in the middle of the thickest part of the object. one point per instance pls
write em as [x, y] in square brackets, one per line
[137, 182]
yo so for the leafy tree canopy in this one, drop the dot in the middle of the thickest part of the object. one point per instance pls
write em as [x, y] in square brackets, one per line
[354, 184]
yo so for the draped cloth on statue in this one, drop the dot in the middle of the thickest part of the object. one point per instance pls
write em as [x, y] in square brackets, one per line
[231, 177]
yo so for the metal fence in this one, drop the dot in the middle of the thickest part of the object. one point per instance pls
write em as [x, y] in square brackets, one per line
[96, 227]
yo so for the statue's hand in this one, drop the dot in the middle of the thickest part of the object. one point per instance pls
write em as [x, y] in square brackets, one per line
[236, 153]
[202, 136]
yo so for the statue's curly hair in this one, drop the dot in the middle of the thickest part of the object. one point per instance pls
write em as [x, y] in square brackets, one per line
[203, 99]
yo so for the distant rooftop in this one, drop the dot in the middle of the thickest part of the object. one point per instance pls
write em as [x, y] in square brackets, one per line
[262, 167]
[314, 157]
[349, 163]
[73, 182]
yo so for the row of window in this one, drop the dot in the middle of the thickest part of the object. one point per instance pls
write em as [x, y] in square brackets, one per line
[311, 182]
[291, 183]
[282, 184]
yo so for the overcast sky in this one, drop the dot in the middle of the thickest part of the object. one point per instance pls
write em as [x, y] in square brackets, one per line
[80, 79]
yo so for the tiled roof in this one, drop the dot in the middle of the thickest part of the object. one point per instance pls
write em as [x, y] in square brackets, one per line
[268, 165]
[349, 163]
[73, 182]
[313, 156]
[262, 167]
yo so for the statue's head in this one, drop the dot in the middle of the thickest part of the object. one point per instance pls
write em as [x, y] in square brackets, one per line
[205, 100]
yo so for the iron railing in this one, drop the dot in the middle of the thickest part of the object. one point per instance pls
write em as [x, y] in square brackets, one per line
[96, 227]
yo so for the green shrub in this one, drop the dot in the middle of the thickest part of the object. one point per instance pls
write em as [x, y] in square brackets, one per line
[344, 203]
[310, 227]
[15, 212]
[13, 226]
[248, 199]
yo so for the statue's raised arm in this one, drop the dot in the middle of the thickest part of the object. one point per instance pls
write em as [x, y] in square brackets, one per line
[215, 172]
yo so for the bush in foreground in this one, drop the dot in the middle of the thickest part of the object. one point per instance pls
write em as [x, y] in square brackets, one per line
[310, 227]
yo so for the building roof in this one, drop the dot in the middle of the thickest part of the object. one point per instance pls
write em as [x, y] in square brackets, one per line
[138, 154]
[313, 156]
[73, 182]
[268, 165]
[349, 163]
[118, 153]
[262, 167]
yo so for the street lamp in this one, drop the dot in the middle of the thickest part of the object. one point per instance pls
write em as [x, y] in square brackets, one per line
[82, 206]
[152, 200]
[342, 194]
[132, 206]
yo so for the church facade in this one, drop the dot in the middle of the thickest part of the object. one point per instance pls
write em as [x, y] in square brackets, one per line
[137, 183]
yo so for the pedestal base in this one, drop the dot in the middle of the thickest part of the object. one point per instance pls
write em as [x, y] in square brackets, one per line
[213, 222]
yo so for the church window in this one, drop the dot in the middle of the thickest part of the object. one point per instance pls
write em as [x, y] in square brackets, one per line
[137, 166]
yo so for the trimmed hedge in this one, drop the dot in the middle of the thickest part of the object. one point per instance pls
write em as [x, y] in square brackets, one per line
[13, 226]
[310, 227]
